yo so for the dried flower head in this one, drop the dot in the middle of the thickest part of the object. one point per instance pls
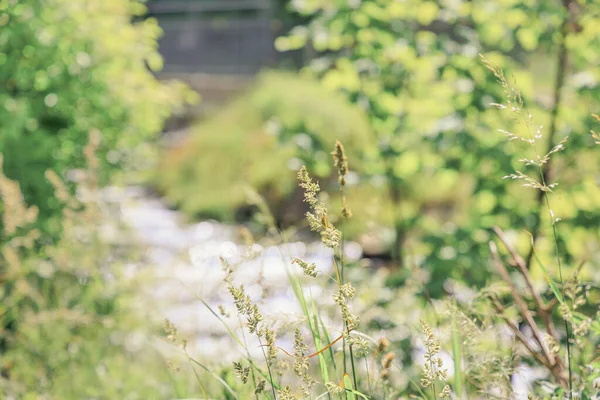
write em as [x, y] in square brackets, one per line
[445, 393]
[386, 361]
[432, 369]
[245, 307]
[317, 216]
[334, 388]
[595, 135]
[307, 269]
[360, 345]
[15, 214]
[344, 293]
[286, 394]
[301, 363]
[515, 105]
[269, 335]
[382, 344]
[260, 386]
[242, 372]
[340, 161]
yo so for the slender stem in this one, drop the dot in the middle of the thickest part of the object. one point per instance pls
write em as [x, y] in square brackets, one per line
[559, 82]
[560, 275]
[521, 304]
[249, 356]
[268, 369]
[347, 331]
[395, 196]
[368, 376]
[353, 368]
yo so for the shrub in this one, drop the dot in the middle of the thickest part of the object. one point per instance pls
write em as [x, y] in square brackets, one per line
[258, 141]
[68, 67]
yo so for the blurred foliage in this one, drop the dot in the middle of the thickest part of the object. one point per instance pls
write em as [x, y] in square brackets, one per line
[413, 67]
[67, 326]
[259, 141]
[71, 70]
[68, 67]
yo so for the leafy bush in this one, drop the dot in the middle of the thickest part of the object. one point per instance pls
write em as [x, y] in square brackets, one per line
[258, 141]
[69, 67]
[413, 68]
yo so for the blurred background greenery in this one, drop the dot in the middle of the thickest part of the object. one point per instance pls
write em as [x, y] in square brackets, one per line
[399, 82]
[428, 155]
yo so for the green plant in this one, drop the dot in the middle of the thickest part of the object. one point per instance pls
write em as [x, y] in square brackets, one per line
[68, 68]
[67, 328]
[256, 142]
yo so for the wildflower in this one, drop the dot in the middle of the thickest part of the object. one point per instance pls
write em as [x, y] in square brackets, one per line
[385, 375]
[516, 106]
[311, 189]
[282, 366]
[16, 213]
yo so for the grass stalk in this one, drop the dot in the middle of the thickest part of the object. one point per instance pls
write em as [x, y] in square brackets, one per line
[559, 81]
[268, 368]
[560, 276]
[248, 354]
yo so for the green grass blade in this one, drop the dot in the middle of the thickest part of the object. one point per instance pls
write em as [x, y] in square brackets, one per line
[319, 344]
[549, 279]
[457, 354]
[217, 377]
[348, 387]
